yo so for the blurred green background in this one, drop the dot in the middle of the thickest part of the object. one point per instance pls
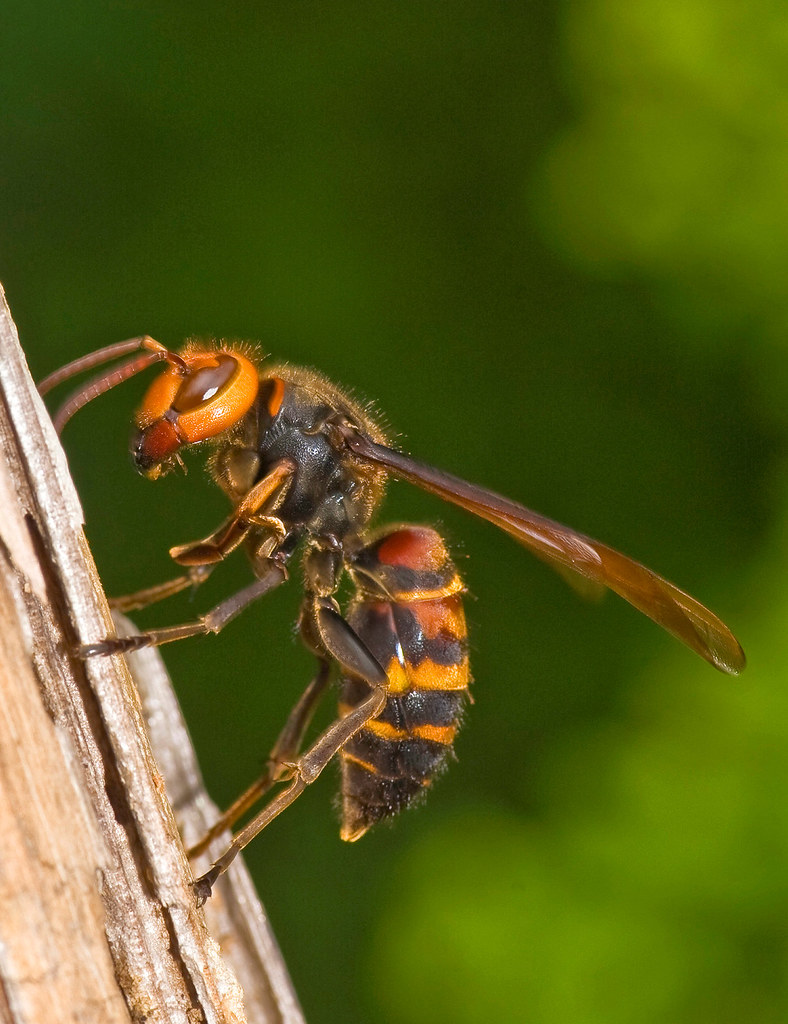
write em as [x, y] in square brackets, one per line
[550, 239]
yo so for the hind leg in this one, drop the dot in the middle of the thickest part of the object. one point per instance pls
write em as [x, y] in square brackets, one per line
[342, 645]
[282, 754]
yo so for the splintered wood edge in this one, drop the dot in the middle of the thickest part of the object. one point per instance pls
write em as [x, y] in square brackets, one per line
[99, 918]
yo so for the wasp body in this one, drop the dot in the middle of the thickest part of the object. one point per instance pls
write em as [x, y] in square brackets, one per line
[408, 612]
[305, 468]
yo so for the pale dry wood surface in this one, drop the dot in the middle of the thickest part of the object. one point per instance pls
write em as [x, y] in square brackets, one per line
[98, 922]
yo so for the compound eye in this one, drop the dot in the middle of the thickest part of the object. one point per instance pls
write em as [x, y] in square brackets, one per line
[214, 397]
[202, 385]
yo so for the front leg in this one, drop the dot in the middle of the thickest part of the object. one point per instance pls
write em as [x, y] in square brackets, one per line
[250, 511]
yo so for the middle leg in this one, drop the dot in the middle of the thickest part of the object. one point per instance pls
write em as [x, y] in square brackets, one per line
[213, 622]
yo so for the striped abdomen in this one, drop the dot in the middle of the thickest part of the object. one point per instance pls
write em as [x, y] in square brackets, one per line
[408, 611]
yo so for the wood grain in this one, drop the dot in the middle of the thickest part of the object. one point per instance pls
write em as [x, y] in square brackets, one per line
[97, 917]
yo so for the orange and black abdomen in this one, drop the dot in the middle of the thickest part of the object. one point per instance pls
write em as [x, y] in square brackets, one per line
[408, 611]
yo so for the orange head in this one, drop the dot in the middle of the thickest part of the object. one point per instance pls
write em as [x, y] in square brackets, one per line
[200, 395]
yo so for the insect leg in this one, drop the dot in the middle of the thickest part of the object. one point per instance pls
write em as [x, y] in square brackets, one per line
[249, 512]
[150, 595]
[344, 646]
[201, 556]
[282, 754]
[304, 771]
[212, 622]
[327, 635]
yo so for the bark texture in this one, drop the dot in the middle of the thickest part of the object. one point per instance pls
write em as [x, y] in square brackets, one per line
[97, 917]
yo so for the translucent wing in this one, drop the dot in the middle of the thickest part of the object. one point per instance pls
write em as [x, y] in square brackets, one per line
[571, 552]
